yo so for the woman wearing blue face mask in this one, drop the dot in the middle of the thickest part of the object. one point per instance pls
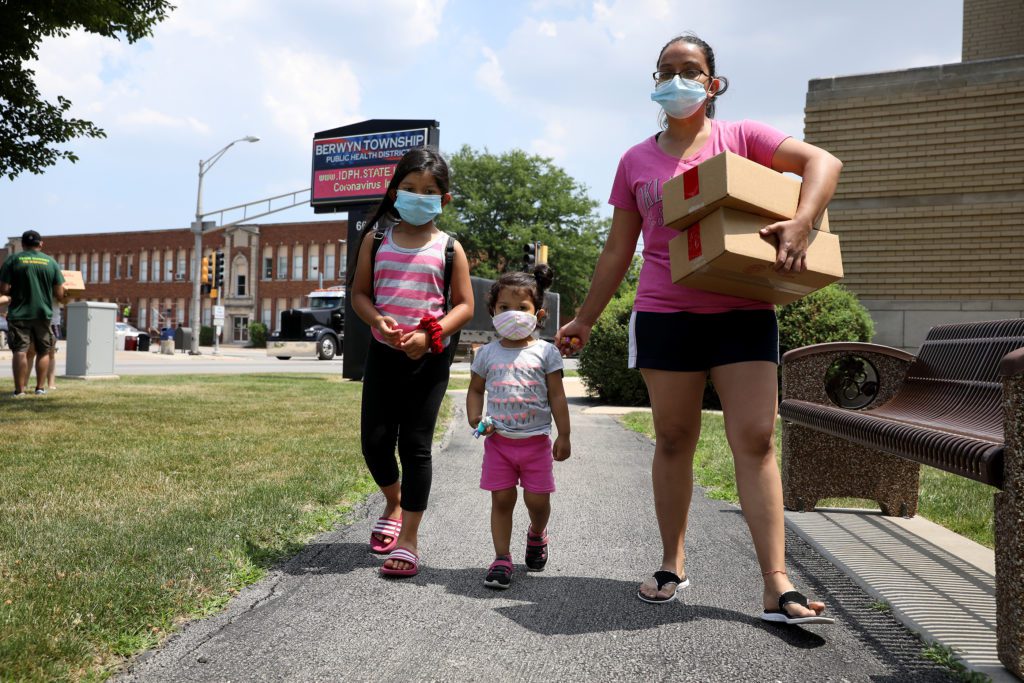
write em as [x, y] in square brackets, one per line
[679, 335]
[398, 289]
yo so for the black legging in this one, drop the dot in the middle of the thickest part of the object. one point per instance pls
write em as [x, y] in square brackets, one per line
[401, 398]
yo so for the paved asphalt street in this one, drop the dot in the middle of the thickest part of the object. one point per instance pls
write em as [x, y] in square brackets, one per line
[326, 614]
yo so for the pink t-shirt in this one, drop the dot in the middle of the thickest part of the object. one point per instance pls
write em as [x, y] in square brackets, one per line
[637, 187]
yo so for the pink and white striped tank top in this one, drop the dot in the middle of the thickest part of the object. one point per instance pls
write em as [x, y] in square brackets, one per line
[408, 284]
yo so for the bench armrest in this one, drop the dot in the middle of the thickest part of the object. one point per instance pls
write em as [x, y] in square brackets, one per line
[1012, 363]
[855, 347]
[804, 371]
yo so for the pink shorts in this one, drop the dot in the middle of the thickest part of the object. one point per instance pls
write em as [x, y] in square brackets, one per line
[527, 462]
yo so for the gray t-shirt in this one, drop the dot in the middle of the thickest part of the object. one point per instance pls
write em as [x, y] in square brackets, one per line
[517, 388]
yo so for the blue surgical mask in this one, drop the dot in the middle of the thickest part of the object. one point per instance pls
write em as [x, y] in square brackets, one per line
[417, 209]
[680, 97]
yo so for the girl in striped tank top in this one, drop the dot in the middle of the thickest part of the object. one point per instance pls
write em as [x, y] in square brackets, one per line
[406, 371]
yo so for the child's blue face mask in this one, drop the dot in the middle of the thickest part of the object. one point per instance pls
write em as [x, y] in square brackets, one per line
[417, 209]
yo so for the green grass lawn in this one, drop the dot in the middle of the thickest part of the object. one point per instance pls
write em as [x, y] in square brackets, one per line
[128, 507]
[959, 504]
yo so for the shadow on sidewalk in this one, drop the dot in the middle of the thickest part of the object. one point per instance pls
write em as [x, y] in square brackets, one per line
[550, 603]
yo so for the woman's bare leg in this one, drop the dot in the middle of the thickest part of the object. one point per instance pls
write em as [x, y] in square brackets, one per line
[675, 403]
[749, 395]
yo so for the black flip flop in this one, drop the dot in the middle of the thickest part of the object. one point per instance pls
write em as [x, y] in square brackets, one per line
[664, 578]
[781, 616]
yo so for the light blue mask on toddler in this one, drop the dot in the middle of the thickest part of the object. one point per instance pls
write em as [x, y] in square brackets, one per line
[417, 209]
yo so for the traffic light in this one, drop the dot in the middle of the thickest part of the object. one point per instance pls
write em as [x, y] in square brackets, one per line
[204, 271]
[542, 254]
[529, 256]
[218, 277]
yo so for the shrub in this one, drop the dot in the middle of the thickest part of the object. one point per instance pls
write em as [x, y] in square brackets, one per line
[206, 335]
[603, 361]
[827, 315]
[258, 335]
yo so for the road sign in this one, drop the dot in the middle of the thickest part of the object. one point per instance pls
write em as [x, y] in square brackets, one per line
[218, 312]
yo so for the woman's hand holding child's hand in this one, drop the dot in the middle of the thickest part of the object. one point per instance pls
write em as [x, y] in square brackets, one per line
[415, 344]
[572, 337]
[562, 449]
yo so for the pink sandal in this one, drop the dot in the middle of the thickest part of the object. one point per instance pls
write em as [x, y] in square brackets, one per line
[402, 555]
[388, 528]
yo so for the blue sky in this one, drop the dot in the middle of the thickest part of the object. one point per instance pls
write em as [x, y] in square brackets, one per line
[567, 79]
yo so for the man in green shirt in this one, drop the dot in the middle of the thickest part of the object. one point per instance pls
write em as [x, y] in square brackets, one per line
[34, 281]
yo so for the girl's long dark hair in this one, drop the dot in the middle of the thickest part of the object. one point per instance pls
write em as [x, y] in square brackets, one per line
[415, 160]
[536, 283]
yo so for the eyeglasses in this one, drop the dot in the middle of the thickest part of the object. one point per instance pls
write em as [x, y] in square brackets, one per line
[689, 74]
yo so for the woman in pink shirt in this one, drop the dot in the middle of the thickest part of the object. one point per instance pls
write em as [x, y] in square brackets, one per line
[679, 335]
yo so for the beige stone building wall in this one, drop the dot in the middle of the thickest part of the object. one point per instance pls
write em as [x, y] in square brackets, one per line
[992, 28]
[930, 206]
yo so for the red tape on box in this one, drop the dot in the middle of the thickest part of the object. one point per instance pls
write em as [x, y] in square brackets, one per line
[693, 241]
[691, 183]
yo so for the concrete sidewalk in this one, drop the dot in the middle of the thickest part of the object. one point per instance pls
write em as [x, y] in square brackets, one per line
[326, 614]
[937, 583]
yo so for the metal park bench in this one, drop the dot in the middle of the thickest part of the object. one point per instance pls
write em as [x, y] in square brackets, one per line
[860, 419]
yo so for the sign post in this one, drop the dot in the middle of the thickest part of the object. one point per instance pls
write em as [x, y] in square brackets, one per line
[352, 166]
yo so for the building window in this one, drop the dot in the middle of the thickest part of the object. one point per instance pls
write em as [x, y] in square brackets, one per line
[95, 268]
[180, 275]
[329, 273]
[240, 284]
[282, 267]
[241, 328]
[131, 265]
[106, 267]
[117, 267]
[266, 313]
[168, 269]
[142, 310]
[297, 264]
[143, 268]
[314, 265]
[268, 267]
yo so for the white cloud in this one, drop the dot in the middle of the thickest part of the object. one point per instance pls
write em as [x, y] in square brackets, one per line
[490, 77]
[150, 118]
[547, 29]
[553, 143]
[304, 92]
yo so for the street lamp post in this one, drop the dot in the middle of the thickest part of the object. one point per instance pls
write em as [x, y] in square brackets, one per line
[197, 230]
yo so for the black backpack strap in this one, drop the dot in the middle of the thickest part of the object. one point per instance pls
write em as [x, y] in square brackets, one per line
[378, 239]
[449, 260]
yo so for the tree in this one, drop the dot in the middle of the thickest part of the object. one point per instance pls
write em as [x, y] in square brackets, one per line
[501, 202]
[30, 127]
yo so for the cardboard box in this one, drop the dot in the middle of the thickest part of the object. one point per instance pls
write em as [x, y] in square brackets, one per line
[724, 253]
[729, 180]
[74, 283]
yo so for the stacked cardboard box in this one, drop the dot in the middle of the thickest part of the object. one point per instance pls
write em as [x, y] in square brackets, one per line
[721, 205]
[74, 283]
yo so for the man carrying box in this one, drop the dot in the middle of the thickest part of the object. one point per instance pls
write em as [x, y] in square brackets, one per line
[34, 281]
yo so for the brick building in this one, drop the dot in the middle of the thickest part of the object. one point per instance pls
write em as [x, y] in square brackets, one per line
[930, 206]
[268, 269]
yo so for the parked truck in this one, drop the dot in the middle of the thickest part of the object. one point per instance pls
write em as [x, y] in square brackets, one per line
[316, 331]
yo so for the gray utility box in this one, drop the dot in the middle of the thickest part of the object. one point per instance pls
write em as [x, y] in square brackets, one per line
[90, 345]
[183, 339]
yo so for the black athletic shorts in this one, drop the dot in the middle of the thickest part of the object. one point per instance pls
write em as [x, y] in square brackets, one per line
[693, 342]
